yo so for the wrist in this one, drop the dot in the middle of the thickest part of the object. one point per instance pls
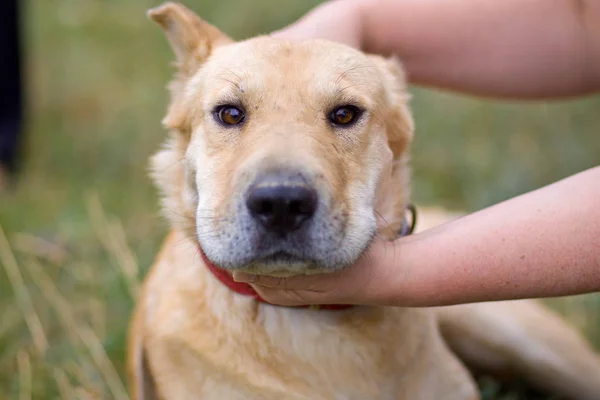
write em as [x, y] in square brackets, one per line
[413, 277]
[392, 271]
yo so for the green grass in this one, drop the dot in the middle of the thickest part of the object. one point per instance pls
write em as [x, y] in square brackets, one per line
[82, 227]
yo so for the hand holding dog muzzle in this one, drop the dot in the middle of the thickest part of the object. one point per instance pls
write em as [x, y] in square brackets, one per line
[366, 282]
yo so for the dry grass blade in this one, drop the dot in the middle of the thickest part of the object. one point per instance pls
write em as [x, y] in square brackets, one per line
[96, 308]
[112, 236]
[105, 366]
[84, 394]
[64, 387]
[97, 312]
[79, 374]
[22, 295]
[59, 304]
[25, 375]
[40, 247]
[78, 332]
[128, 261]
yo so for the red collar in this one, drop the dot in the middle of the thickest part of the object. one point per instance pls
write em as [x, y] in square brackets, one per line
[247, 290]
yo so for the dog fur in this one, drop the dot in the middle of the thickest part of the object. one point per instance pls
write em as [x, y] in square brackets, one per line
[193, 338]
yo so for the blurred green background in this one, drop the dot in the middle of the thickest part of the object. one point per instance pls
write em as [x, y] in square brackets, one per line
[82, 226]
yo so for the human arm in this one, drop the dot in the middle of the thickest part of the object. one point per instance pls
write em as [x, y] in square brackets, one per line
[542, 244]
[511, 49]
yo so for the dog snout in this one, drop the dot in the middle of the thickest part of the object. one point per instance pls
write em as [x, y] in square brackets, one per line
[280, 203]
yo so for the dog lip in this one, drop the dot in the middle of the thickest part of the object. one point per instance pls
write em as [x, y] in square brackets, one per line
[281, 257]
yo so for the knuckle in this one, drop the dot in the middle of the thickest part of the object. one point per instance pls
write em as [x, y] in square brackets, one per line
[280, 283]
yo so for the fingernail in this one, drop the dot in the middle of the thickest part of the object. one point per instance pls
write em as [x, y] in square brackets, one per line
[242, 277]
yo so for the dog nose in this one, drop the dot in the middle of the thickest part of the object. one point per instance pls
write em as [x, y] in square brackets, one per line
[281, 204]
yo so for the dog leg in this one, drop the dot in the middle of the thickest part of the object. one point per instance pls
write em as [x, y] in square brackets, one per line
[141, 384]
[526, 339]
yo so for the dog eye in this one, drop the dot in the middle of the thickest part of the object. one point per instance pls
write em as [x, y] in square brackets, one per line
[344, 115]
[230, 115]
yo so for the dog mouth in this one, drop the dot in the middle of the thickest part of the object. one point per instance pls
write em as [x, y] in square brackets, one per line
[281, 258]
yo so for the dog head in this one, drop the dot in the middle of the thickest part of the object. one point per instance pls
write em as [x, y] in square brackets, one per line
[284, 157]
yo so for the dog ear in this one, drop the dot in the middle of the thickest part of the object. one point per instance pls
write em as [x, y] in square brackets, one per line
[191, 38]
[398, 118]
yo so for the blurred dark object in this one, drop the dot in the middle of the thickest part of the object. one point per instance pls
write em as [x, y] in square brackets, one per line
[11, 96]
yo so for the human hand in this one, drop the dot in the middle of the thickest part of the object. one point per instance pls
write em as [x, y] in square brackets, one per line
[365, 282]
[317, 24]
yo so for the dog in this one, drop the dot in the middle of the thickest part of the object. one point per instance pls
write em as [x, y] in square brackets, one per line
[284, 159]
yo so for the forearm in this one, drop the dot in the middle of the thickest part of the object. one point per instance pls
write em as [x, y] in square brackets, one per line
[509, 48]
[542, 244]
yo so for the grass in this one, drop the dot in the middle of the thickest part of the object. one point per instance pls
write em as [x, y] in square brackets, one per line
[81, 228]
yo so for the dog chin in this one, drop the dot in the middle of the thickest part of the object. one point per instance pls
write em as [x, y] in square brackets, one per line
[281, 265]
[285, 265]
[281, 262]
[283, 270]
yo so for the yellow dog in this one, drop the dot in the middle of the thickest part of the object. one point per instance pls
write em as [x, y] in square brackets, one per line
[288, 158]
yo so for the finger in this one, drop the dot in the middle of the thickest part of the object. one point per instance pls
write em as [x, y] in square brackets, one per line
[311, 282]
[340, 288]
[290, 297]
[288, 33]
[357, 284]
